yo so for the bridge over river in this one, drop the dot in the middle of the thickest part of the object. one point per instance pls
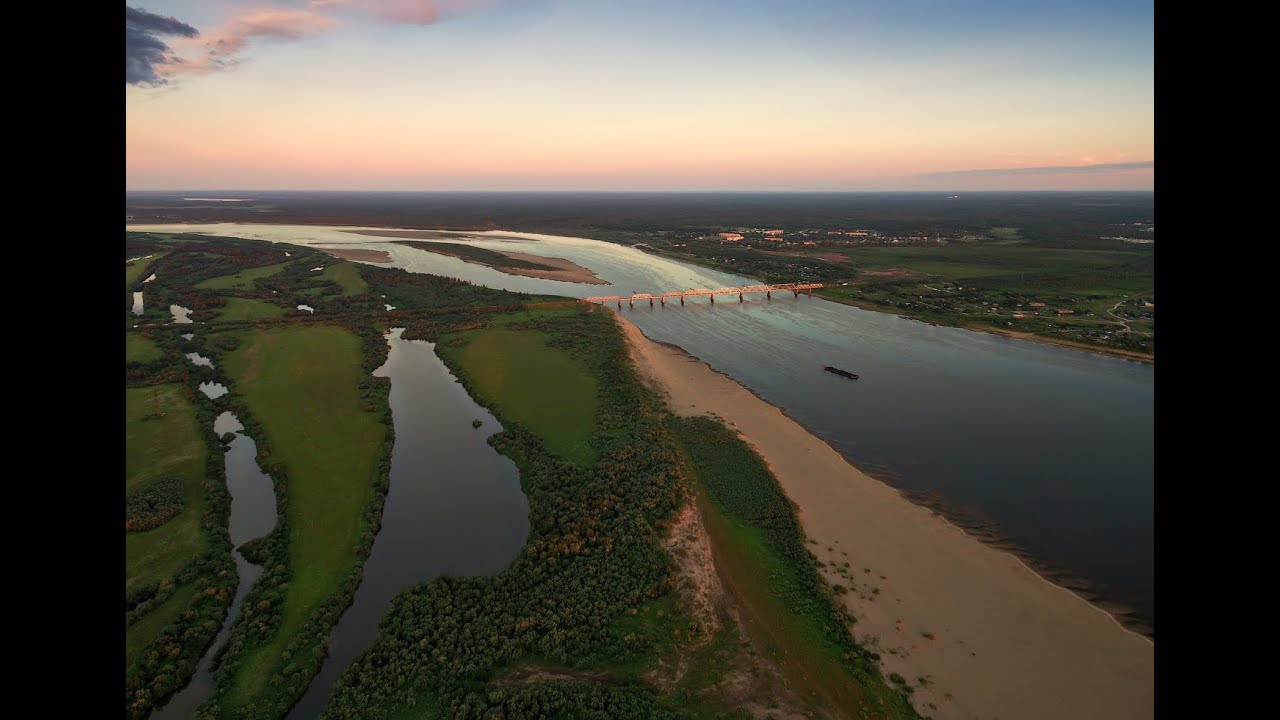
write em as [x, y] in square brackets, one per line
[768, 290]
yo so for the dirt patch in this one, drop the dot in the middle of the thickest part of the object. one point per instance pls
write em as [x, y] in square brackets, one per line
[699, 586]
[360, 254]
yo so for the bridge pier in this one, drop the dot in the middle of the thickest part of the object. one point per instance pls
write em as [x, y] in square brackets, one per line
[739, 297]
[662, 300]
[768, 294]
[650, 302]
[795, 293]
[619, 303]
[713, 299]
[681, 301]
[631, 302]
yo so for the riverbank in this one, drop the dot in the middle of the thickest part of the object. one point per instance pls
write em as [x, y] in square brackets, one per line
[1133, 355]
[976, 631]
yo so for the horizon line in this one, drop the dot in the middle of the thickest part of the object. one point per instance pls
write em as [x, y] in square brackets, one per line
[624, 192]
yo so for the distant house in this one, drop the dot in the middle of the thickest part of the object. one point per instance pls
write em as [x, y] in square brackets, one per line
[1018, 316]
[735, 237]
[1037, 304]
[1066, 311]
[773, 232]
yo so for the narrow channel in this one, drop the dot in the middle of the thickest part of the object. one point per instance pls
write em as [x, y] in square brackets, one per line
[455, 506]
[253, 514]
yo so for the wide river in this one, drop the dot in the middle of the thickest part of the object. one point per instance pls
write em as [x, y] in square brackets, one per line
[1049, 449]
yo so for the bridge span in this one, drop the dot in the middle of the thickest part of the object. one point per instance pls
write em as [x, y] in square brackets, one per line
[768, 290]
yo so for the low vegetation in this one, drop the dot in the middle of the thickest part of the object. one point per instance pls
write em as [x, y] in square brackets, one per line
[153, 505]
[754, 526]
[326, 445]
[539, 386]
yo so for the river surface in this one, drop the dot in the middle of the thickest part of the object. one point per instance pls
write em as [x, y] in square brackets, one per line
[454, 507]
[253, 514]
[137, 303]
[1048, 448]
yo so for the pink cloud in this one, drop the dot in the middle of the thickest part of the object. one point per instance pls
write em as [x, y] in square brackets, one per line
[412, 12]
[220, 49]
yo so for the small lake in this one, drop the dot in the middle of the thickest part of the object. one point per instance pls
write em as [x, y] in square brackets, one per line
[253, 514]
[308, 308]
[199, 359]
[455, 506]
[213, 390]
[137, 303]
[153, 277]
[180, 314]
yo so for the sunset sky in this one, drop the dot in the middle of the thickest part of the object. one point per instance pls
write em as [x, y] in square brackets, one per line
[640, 95]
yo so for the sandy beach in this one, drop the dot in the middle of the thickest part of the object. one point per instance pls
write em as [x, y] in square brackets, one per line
[989, 637]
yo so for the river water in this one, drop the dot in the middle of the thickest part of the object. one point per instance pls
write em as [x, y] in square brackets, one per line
[454, 507]
[1049, 449]
[253, 514]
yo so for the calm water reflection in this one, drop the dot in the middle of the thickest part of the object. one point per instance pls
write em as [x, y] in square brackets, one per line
[454, 508]
[253, 514]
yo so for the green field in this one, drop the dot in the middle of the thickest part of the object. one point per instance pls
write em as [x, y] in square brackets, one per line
[142, 632]
[346, 275]
[301, 384]
[139, 270]
[960, 262]
[242, 280]
[140, 349]
[534, 384]
[238, 309]
[155, 447]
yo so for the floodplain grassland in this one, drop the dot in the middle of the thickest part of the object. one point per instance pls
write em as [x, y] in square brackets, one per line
[139, 269]
[146, 629]
[301, 385]
[347, 276]
[162, 438]
[243, 280]
[536, 384]
[140, 349]
[242, 309]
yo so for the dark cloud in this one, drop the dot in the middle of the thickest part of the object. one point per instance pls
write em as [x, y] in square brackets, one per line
[143, 49]
[1053, 170]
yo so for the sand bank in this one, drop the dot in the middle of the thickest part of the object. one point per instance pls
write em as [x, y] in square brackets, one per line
[359, 254]
[991, 638]
[563, 270]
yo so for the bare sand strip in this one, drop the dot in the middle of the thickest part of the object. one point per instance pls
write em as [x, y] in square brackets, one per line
[409, 234]
[434, 235]
[565, 270]
[991, 638]
[359, 254]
